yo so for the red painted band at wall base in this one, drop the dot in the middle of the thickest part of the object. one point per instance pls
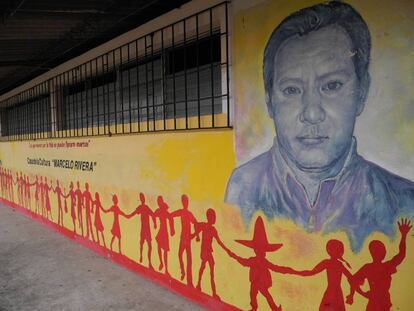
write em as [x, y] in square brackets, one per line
[172, 284]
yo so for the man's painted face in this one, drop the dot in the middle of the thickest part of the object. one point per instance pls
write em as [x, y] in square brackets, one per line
[315, 97]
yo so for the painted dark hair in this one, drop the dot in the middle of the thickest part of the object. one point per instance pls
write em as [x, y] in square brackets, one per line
[316, 17]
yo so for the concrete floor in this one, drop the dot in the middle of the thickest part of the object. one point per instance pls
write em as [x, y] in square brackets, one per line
[42, 270]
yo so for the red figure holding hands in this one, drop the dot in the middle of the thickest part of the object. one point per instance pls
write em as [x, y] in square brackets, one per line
[79, 201]
[259, 275]
[72, 196]
[162, 236]
[28, 194]
[87, 203]
[37, 191]
[145, 212]
[46, 189]
[333, 298]
[378, 273]
[96, 208]
[187, 218]
[209, 233]
[116, 230]
[59, 195]
[42, 196]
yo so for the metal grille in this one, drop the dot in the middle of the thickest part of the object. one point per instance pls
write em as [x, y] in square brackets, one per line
[175, 78]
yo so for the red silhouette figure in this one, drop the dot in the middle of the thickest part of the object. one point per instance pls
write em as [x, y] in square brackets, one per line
[42, 196]
[378, 273]
[59, 195]
[64, 198]
[79, 201]
[2, 182]
[19, 187]
[11, 185]
[72, 196]
[162, 236]
[116, 230]
[333, 298]
[23, 189]
[187, 218]
[145, 235]
[259, 275]
[209, 233]
[37, 191]
[28, 194]
[87, 203]
[46, 189]
[18, 183]
[96, 208]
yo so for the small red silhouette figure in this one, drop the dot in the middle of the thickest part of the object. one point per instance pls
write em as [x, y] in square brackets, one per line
[59, 195]
[46, 189]
[187, 218]
[116, 230]
[37, 191]
[23, 189]
[19, 187]
[72, 196]
[333, 298]
[11, 186]
[209, 233]
[64, 198]
[379, 273]
[145, 235]
[259, 275]
[96, 208]
[162, 236]
[87, 203]
[2, 182]
[79, 201]
[28, 194]
[42, 196]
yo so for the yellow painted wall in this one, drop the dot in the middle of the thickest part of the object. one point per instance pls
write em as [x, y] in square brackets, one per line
[199, 163]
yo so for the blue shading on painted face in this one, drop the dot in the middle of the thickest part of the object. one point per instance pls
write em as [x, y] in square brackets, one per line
[315, 98]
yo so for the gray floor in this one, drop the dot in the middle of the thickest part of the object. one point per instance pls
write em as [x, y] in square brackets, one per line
[42, 270]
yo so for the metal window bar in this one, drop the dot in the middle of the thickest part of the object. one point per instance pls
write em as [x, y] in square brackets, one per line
[176, 78]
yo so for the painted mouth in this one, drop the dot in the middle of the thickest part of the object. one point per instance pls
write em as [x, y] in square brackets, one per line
[312, 140]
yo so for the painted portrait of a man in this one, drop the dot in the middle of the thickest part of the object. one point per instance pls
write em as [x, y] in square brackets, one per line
[316, 78]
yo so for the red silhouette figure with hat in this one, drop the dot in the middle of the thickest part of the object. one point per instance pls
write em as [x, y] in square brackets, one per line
[209, 233]
[87, 203]
[187, 218]
[333, 298]
[379, 273]
[116, 230]
[96, 208]
[162, 237]
[259, 275]
[145, 235]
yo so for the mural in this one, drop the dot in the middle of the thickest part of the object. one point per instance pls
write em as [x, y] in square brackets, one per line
[308, 222]
[316, 78]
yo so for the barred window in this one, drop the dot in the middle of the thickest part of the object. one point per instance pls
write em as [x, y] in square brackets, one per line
[171, 79]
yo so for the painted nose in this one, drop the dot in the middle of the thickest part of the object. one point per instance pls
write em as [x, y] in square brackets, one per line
[313, 111]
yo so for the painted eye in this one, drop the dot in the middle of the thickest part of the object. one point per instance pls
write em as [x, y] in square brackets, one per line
[291, 90]
[332, 86]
